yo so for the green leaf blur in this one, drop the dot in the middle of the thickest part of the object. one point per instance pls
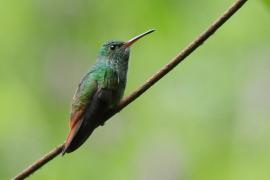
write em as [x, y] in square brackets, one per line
[267, 2]
[207, 120]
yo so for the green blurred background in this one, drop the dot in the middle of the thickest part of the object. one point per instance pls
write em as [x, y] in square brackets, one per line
[209, 119]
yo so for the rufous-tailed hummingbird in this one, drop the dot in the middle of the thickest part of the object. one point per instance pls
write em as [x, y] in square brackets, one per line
[101, 88]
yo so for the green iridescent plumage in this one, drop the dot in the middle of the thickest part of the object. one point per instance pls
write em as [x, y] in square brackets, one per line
[99, 90]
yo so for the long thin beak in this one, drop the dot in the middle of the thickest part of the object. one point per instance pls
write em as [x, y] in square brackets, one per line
[133, 40]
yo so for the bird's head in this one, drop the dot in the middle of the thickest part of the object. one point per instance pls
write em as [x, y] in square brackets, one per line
[119, 50]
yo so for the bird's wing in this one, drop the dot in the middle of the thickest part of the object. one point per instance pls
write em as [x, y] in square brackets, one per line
[82, 97]
[105, 78]
[85, 91]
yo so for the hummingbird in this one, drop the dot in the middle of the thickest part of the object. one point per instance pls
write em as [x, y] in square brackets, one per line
[100, 89]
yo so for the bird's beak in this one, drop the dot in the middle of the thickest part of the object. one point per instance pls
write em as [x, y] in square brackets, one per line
[133, 40]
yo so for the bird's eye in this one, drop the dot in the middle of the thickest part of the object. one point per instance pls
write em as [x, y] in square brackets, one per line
[112, 47]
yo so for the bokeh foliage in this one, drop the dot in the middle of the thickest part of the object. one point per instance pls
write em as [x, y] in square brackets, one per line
[208, 119]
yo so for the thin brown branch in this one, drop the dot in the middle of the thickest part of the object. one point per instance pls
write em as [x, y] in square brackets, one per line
[39, 163]
[151, 81]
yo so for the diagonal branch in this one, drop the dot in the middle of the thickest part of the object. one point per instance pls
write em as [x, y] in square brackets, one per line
[151, 81]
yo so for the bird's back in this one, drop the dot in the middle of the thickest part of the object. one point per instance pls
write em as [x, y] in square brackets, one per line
[100, 89]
